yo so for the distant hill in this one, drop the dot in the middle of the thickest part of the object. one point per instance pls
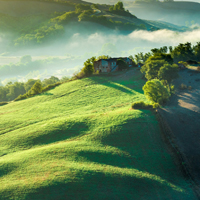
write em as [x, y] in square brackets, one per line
[179, 12]
[37, 22]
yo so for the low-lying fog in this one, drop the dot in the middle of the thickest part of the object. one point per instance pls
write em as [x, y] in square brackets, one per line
[64, 56]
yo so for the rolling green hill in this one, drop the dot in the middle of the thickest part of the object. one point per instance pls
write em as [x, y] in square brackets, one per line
[25, 23]
[80, 140]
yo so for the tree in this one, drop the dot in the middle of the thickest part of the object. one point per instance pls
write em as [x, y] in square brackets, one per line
[50, 80]
[103, 57]
[156, 91]
[151, 68]
[133, 61]
[28, 85]
[36, 89]
[119, 6]
[168, 72]
[154, 63]
[88, 69]
[197, 51]
[122, 64]
[183, 52]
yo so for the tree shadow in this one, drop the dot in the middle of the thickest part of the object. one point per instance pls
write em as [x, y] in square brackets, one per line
[46, 93]
[119, 85]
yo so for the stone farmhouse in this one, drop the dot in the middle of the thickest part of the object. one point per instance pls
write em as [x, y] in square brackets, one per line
[109, 65]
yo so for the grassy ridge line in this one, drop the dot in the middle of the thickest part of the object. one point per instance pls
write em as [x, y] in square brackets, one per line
[81, 140]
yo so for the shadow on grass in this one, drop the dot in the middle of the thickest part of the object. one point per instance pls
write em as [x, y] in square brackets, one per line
[60, 133]
[107, 158]
[98, 185]
[119, 85]
[141, 146]
[46, 93]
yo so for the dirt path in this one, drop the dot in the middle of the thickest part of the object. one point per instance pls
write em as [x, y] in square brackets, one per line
[182, 115]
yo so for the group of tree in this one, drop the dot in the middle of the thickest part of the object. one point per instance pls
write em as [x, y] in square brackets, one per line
[160, 71]
[182, 52]
[32, 87]
[119, 9]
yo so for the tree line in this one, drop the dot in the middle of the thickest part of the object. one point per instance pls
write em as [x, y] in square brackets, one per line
[158, 66]
[20, 90]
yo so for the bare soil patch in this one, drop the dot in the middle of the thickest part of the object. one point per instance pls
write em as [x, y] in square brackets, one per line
[182, 115]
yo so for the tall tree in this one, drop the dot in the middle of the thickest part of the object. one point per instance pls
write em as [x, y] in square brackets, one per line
[156, 91]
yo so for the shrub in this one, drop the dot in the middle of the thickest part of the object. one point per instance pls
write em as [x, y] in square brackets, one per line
[3, 103]
[189, 87]
[156, 105]
[21, 97]
[48, 87]
[36, 88]
[183, 63]
[183, 86]
[141, 105]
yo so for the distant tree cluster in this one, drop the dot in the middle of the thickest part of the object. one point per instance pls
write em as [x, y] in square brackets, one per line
[119, 9]
[182, 52]
[32, 87]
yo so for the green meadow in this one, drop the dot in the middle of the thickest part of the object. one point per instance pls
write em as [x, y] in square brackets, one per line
[81, 140]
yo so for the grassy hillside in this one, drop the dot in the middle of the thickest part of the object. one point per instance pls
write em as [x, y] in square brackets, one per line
[81, 141]
[26, 23]
[24, 8]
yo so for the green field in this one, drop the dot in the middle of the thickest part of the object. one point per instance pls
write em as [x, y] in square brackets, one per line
[81, 140]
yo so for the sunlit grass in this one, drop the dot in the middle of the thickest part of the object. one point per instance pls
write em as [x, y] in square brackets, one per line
[83, 142]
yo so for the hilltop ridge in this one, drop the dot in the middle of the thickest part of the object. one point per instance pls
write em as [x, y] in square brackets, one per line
[38, 22]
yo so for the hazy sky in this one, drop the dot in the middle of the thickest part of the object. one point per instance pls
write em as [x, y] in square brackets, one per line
[192, 1]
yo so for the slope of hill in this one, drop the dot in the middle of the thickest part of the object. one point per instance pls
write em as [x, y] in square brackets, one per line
[27, 8]
[178, 12]
[81, 141]
[25, 23]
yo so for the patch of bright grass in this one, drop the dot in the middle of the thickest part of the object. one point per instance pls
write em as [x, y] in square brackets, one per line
[83, 142]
